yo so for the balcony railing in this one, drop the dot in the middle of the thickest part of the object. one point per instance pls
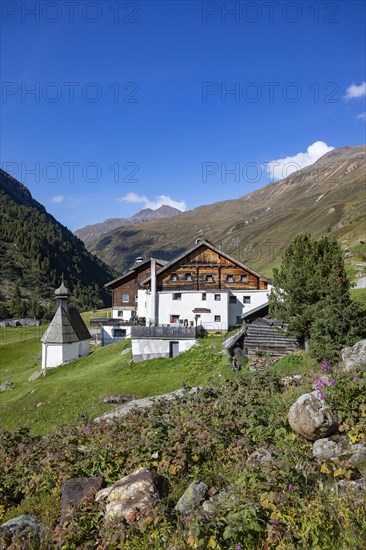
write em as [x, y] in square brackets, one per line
[114, 322]
[163, 332]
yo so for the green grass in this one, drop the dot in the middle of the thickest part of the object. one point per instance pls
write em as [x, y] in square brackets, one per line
[21, 334]
[359, 295]
[79, 387]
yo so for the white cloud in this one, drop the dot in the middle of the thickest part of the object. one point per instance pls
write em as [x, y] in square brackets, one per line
[153, 204]
[281, 168]
[361, 116]
[58, 198]
[354, 91]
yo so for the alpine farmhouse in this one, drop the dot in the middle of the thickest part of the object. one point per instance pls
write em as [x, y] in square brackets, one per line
[162, 305]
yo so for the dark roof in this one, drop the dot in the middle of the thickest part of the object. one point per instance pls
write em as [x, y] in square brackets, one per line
[255, 310]
[207, 243]
[66, 327]
[132, 270]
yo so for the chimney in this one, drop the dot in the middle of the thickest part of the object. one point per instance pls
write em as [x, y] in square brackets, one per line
[153, 293]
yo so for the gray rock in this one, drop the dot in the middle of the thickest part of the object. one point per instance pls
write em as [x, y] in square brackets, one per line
[355, 356]
[75, 490]
[125, 351]
[38, 374]
[133, 494]
[260, 456]
[291, 381]
[20, 523]
[145, 403]
[346, 486]
[226, 499]
[117, 398]
[310, 417]
[192, 497]
[6, 386]
[332, 447]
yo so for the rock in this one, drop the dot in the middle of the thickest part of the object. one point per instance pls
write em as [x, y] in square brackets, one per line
[125, 351]
[260, 456]
[357, 487]
[331, 447]
[310, 417]
[291, 381]
[226, 499]
[145, 403]
[192, 497]
[37, 374]
[75, 490]
[133, 494]
[6, 386]
[355, 356]
[117, 398]
[103, 494]
[20, 523]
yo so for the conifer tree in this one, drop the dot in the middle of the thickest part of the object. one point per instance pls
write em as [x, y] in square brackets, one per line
[311, 294]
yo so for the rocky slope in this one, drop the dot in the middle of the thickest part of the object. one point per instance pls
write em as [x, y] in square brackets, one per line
[326, 197]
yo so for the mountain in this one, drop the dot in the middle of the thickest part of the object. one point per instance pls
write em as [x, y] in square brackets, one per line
[91, 233]
[35, 250]
[327, 197]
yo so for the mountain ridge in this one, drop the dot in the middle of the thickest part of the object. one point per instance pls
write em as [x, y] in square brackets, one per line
[93, 231]
[325, 197]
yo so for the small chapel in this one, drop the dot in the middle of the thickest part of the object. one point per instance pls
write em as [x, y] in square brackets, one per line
[67, 337]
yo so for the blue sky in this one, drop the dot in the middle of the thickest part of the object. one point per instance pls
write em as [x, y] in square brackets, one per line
[131, 104]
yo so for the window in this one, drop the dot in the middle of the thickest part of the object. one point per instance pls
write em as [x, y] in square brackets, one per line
[119, 333]
[120, 314]
[230, 278]
[125, 298]
[238, 320]
[177, 296]
[188, 276]
[217, 297]
[136, 297]
[174, 318]
[217, 318]
[203, 295]
[174, 277]
[232, 300]
[209, 278]
[244, 278]
[246, 300]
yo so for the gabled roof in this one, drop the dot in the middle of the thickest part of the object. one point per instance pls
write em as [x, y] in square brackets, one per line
[66, 327]
[207, 243]
[128, 273]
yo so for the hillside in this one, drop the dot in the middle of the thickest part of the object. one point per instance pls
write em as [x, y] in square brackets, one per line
[258, 477]
[35, 250]
[91, 233]
[326, 197]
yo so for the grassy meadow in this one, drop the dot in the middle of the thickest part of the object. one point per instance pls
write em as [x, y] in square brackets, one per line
[78, 388]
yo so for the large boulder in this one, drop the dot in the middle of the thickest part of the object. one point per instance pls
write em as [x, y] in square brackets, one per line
[335, 446]
[355, 356]
[133, 494]
[75, 491]
[192, 497]
[310, 417]
[26, 522]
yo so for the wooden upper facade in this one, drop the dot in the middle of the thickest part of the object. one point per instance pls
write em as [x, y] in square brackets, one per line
[206, 268]
[124, 288]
